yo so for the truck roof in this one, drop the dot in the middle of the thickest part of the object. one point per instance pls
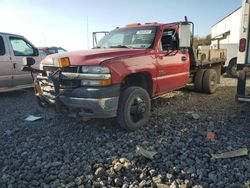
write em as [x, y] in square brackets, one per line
[226, 16]
[2, 33]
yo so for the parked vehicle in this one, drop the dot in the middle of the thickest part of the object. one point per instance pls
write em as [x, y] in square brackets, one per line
[12, 50]
[129, 66]
[44, 51]
[243, 60]
[225, 35]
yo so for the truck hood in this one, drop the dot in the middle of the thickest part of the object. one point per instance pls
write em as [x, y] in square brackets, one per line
[93, 57]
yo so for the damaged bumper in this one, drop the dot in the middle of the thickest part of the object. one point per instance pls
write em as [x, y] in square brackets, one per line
[89, 102]
[93, 102]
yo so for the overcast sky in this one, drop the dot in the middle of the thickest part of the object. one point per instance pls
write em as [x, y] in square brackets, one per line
[63, 22]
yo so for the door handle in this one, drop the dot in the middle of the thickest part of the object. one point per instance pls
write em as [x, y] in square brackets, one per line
[14, 65]
[183, 58]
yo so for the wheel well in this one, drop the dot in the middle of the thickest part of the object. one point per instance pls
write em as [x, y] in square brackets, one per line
[143, 80]
[232, 60]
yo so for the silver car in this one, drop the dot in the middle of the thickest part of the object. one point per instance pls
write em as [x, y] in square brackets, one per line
[13, 48]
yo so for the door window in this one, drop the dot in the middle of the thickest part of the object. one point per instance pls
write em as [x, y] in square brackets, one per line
[2, 48]
[21, 47]
[169, 40]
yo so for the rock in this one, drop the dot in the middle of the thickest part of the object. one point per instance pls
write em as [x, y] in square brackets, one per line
[8, 132]
[173, 185]
[79, 180]
[142, 176]
[5, 178]
[169, 176]
[142, 183]
[99, 172]
[197, 186]
[152, 173]
[45, 186]
[212, 177]
[118, 182]
[123, 160]
[55, 164]
[157, 179]
[50, 178]
[35, 183]
[195, 116]
[70, 185]
[159, 185]
[118, 166]
[125, 185]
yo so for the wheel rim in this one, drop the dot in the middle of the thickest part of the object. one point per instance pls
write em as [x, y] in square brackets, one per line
[137, 109]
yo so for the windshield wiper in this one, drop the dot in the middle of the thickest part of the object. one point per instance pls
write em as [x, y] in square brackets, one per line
[119, 46]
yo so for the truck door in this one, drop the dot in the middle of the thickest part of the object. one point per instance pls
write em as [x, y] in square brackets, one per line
[20, 49]
[6, 67]
[173, 65]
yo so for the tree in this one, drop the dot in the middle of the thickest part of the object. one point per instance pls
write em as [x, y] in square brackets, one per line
[201, 41]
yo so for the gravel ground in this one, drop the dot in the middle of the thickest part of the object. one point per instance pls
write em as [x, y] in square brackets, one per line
[64, 152]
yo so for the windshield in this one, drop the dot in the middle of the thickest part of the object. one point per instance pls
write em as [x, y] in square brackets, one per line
[136, 37]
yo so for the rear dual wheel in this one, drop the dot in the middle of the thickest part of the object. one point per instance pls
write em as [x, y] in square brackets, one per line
[206, 81]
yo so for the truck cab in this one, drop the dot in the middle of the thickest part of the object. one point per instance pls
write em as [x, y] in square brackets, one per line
[13, 48]
[127, 68]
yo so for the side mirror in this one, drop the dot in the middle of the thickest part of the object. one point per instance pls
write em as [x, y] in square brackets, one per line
[28, 61]
[185, 35]
[36, 52]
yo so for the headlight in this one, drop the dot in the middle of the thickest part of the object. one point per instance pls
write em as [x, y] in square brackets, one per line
[96, 76]
[95, 69]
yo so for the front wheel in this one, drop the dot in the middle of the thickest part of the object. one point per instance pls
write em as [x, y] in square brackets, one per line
[134, 108]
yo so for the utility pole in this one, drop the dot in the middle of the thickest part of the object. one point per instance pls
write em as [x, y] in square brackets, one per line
[87, 32]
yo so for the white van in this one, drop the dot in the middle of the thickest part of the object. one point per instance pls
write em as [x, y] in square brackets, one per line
[13, 48]
[243, 60]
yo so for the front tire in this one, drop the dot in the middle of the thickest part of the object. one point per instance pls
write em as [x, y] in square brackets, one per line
[134, 108]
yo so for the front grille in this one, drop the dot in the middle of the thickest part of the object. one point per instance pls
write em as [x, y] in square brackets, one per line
[65, 83]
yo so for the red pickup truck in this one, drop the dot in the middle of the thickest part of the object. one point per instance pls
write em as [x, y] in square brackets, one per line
[127, 68]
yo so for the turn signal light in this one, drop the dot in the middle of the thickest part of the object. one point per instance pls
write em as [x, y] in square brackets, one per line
[105, 82]
[64, 62]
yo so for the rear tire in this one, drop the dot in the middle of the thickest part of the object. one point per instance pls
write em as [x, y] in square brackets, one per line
[232, 68]
[210, 81]
[198, 80]
[134, 108]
